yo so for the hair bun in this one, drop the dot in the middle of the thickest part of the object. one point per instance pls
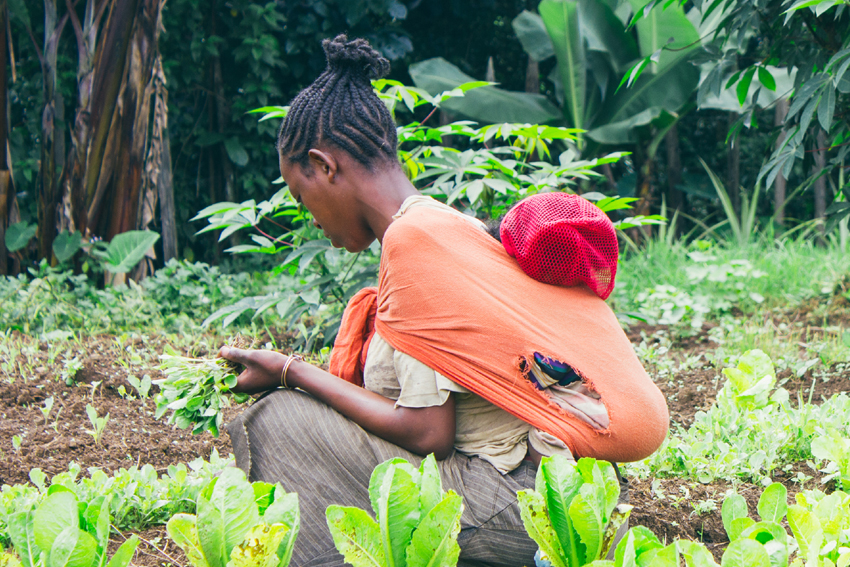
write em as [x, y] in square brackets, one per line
[356, 56]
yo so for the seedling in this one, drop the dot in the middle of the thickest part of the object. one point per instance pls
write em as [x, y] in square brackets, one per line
[98, 423]
[70, 369]
[143, 386]
[48, 406]
[16, 442]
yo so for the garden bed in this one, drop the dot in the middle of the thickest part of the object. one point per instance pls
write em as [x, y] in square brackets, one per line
[671, 507]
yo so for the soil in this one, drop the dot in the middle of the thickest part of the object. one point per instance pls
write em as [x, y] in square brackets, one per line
[669, 507]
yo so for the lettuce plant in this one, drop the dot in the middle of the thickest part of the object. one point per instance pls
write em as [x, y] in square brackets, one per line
[416, 524]
[765, 542]
[238, 524]
[62, 531]
[821, 525]
[573, 514]
[834, 447]
[749, 384]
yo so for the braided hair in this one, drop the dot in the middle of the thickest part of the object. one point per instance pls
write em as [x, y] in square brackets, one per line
[341, 108]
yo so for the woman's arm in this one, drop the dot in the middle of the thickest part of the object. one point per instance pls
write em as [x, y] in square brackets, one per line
[419, 430]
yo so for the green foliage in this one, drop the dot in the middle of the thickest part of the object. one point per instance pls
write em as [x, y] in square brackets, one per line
[573, 514]
[126, 250]
[416, 524]
[175, 299]
[66, 245]
[819, 523]
[18, 235]
[98, 423]
[238, 524]
[195, 390]
[834, 448]
[64, 531]
[750, 431]
[137, 497]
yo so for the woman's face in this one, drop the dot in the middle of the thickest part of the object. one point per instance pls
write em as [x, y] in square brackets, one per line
[324, 189]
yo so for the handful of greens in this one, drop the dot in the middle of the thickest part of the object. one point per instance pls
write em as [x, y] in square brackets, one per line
[196, 390]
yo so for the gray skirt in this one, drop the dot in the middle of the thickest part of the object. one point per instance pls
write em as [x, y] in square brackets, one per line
[291, 438]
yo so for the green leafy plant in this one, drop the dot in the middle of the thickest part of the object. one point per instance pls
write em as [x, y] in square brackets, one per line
[195, 390]
[820, 523]
[65, 531]
[573, 513]
[750, 384]
[834, 448]
[18, 235]
[764, 542]
[238, 524]
[416, 523]
[142, 387]
[98, 423]
[125, 250]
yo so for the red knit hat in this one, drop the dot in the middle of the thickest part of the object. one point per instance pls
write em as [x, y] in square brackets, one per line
[563, 240]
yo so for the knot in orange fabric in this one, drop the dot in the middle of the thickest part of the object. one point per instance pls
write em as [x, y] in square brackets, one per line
[451, 297]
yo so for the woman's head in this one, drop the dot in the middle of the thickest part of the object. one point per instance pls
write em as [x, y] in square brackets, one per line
[337, 142]
[341, 110]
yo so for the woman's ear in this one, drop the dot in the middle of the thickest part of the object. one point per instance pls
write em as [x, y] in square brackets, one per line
[325, 163]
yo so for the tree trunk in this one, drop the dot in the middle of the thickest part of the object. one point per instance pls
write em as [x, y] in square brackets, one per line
[820, 183]
[5, 177]
[48, 178]
[733, 167]
[110, 70]
[644, 191]
[675, 196]
[780, 183]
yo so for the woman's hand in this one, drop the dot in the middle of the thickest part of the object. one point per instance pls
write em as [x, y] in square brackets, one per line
[262, 368]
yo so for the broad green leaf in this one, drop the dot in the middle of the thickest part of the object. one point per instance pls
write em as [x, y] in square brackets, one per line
[398, 513]
[766, 79]
[734, 507]
[127, 249]
[236, 152]
[638, 541]
[807, 531]
[72, 548]
[562, 482]
[485, 104]
[97, 518]
[745, 553]
[606, 34]
[773, 537]
[434, 543]
[665, 557]
[744, 85]
[183, 531]
[124, 554]
[259, 548]
[19, 234]
[430, 486]
[233, 497]
[562, 22]
[264, 494]
[285, 510]
[696, 554]
[531, 31]
[356, 536]
[773, 503]
[211, 533]
[535, 518]
[376, 481]
[588, 521]
[20, 527]
[739, 526]
[659, 27]
[66, 245]
[57, 512]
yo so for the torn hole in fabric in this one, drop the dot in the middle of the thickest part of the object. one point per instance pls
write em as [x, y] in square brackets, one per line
[565, 387]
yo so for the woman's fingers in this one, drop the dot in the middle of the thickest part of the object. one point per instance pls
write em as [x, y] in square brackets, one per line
[234, 354]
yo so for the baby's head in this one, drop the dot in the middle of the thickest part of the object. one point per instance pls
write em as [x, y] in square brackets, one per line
[562, 239]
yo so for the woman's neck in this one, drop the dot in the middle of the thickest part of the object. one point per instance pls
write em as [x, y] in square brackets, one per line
[382, 197]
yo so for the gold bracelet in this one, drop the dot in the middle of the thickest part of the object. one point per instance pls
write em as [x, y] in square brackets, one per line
[289, 360]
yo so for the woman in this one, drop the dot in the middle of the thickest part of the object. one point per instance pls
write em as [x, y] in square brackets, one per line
[444, 346]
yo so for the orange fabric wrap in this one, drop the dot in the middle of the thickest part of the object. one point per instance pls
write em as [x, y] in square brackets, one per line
[451, 297]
